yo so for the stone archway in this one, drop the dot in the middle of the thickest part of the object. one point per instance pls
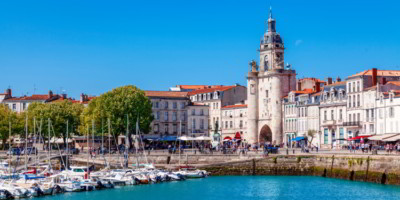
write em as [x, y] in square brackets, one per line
[265, 134]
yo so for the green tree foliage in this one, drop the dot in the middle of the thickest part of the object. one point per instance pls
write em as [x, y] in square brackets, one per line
[118, 105]
[311, 134]
[59, 113]
[9, 119]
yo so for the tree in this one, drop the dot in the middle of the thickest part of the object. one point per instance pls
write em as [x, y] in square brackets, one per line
[311, 134]
[9, 121]
[119, 105]
[59, 113]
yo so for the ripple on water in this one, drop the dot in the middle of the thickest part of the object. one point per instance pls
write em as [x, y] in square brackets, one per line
[243, 188]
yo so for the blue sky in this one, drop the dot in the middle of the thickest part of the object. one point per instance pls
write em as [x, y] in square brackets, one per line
[94, 46]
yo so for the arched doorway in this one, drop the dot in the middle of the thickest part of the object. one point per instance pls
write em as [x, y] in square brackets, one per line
[265, 134]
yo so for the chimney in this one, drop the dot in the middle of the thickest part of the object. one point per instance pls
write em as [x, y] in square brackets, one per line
[383, 81]
[374, 76]
[338, 79]
[329, 80]
[82, 98]
[317, 87]
[299, 86]
[50, 94]
[8, 92]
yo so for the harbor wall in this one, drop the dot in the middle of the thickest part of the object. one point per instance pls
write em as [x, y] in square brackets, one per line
[377, 169]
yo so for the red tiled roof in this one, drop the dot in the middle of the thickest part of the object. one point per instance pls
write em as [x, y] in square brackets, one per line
[313, 79]
[379, 73]
[397, 83]
[337, 83]
[370, 88]
[305, 91]
[35, 97]
[166, 94]
[208, 90]
[235, 106]
[193, 87]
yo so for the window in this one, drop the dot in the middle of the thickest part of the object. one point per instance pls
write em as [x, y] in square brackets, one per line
[14, 106]
[367, 114]
[175, 105]
[157, 104]
[341, 135]
[231, 124]
[358, 100]
[391, 112]
[23, 106]
[165, 116]
[354, 101]
[158, 115]
[326, 136]
[194, 112]
[332, 115]
[182, 105]
[358, 117]
[226, 124]
[183, 128]
[354, 86]
[183, 116]
[166, 128]
[194, 124]
[201, 112]
[325, 115]
[371, 128]
[156, 127]
[174, 116]
[241, 124]
[358, 86]
[175, 128]
[349, 87]
[201, 123]
[349, 101]
[266, 93]
[372, 114]
[166, 105]
[340, 114]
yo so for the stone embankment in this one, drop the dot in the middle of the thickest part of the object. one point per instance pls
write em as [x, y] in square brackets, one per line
[377, 169]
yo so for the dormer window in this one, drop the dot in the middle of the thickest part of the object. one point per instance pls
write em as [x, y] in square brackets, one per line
[391, 97]
[215, 95]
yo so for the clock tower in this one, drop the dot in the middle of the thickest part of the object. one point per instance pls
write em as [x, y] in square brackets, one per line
[267, 84]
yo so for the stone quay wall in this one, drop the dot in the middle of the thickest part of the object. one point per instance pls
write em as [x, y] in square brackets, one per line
[377, 169]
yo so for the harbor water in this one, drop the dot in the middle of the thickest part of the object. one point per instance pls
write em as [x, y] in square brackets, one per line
[244, 187]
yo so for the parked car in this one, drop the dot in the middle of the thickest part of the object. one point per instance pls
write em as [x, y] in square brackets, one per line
[30, 150]
[14, 151]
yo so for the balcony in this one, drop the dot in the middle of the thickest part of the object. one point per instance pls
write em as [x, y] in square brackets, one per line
[328, 123]
[354, 124]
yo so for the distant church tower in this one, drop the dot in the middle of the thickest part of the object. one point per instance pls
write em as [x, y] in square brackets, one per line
[267, 84]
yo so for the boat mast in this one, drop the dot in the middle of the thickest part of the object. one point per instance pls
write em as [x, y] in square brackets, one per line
[9, 144]
[93, 139]
[126, 142]
[34, 135]
[137, 142]
[48, 119]
[102, 136]
[180, 135]
[87, 143]
[26, 142]
[109, 136]
[66, 162]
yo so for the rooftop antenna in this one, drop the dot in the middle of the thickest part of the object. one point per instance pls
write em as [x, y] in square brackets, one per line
[34, 88]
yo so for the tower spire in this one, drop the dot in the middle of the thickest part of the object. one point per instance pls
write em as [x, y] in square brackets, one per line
[270, 12]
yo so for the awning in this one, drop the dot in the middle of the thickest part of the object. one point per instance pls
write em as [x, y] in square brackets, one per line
[382, 137]
[186, 138]
[359, 137]
[298, 138]
[238, 136]
[203, 138]
[227, 138]
[392, 139]
[168, 138]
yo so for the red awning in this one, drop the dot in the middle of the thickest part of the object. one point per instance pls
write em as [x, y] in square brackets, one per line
[227, 138]
[359, 137]
[238, 136]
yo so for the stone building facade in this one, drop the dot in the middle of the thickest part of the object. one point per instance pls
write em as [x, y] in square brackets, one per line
[267, 84]
[234, 121]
